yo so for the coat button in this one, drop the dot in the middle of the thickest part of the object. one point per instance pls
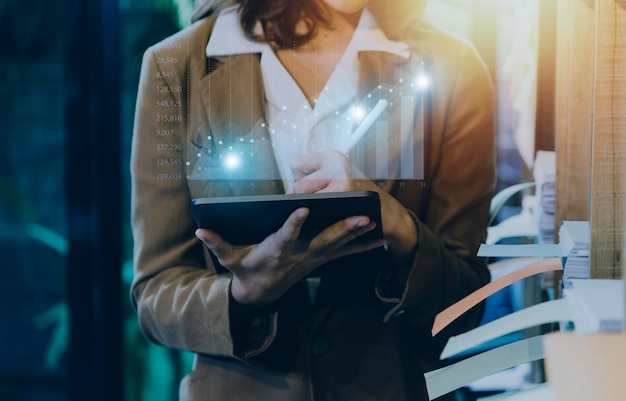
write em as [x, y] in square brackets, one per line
[319, 346]
[316, 143]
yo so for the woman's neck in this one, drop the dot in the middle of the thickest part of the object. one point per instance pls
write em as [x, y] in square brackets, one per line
[312, 64]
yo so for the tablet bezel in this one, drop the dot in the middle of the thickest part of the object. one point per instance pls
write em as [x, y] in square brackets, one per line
[246, 220]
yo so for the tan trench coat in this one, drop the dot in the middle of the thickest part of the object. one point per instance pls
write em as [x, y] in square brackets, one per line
[366, 338]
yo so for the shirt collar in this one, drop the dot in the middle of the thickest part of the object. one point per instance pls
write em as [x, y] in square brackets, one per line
[228, 38]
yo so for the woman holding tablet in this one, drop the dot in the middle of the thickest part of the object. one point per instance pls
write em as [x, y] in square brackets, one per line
[277, 96]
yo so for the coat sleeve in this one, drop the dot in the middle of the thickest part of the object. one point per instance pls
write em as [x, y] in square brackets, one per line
[181, 300]
[452, 219]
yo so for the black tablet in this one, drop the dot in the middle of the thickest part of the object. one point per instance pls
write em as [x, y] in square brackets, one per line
[245, 220]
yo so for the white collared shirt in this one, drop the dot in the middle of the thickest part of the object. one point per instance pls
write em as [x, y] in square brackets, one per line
[295, 127]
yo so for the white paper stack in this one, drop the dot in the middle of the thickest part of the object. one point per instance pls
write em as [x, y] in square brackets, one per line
[544, 173]
[574, 238]
[597, 305]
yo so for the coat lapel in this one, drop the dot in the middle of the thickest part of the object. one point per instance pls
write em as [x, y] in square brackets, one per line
[233, 97]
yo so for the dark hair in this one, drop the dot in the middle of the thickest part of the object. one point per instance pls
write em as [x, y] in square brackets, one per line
[280, 19]
[287, 23]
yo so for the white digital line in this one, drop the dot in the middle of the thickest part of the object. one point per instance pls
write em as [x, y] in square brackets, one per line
[364, 126]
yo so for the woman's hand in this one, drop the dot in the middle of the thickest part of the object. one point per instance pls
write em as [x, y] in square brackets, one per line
[331, 171]
[265, 271]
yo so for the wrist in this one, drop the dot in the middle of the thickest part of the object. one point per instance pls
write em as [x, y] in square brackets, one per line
[250, 294]
[240, 293]
[402, 239]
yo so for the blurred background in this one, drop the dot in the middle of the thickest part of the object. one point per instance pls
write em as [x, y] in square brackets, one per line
[68, 79]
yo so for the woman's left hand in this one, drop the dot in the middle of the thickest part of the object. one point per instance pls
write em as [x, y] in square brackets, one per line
[332, 171]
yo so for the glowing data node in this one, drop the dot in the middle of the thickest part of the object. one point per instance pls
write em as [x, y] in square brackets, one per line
[232, 161]
[358, 113]
[422, 81]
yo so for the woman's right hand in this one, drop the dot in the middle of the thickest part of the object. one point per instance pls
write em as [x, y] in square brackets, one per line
[264, 271]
